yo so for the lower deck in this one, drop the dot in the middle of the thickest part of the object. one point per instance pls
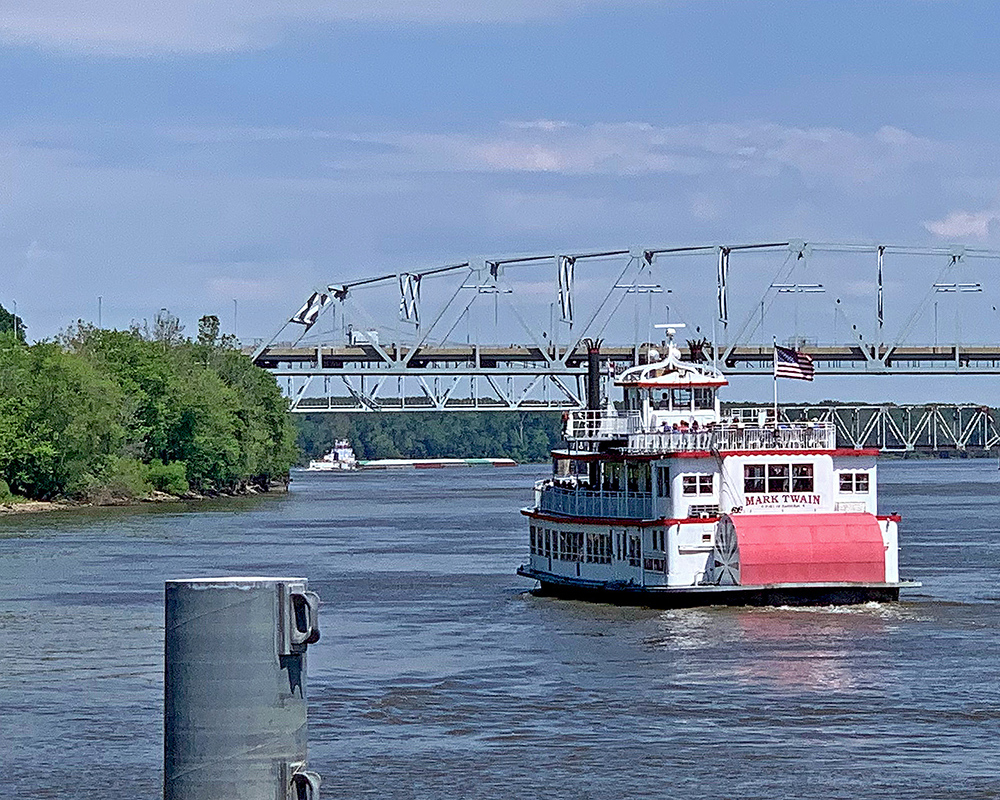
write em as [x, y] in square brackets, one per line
[784, 594]
[672, 553]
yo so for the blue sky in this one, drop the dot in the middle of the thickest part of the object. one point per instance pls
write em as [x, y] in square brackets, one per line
[187, 155]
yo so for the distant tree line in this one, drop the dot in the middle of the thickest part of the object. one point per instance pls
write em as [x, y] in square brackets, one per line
[525, 437]
[104, 415]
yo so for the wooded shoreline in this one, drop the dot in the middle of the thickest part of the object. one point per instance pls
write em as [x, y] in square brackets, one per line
[18, 507]
[107, 417]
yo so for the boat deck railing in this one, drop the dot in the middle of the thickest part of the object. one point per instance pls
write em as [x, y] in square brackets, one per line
[600, 425]
[577, 502]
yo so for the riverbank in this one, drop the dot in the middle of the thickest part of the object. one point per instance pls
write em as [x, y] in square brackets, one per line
[41, 506]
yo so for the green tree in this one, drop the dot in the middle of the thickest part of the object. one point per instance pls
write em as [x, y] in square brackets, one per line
[208, 330]
[521, 436]
[11, 325]
[108, 415]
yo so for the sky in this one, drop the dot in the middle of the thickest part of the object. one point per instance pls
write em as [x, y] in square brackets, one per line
[191, 154]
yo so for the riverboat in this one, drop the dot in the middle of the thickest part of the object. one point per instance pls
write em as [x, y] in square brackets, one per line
[662, 502]
[341, 458]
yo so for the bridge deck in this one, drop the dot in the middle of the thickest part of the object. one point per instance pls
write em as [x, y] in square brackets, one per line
[833, 359]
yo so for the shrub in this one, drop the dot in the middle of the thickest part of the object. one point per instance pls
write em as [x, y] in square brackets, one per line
[5, 493]
[120, 479]
[170, 478]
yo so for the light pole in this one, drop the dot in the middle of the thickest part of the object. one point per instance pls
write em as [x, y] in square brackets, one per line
[552, 325]
[796, 289]
[637, 289]
[669, 291]
[954, 288]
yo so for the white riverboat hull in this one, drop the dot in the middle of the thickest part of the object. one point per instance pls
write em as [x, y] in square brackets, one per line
[778, 594]
[331, 466]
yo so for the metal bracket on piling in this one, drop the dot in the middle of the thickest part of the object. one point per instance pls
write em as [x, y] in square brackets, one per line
[298, 782]
[298, 618]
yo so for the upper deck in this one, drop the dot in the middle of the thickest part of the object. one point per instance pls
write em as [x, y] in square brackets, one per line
[672, 406]
[636, 435]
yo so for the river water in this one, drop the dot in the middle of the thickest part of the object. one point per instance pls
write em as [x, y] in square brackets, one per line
[439, 676]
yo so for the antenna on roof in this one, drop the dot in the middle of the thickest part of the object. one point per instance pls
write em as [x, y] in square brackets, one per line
[671, 327]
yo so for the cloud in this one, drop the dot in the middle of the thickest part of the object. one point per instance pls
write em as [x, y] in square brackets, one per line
[964, 225]
[128, 27]
[190, 217]
[636, 148]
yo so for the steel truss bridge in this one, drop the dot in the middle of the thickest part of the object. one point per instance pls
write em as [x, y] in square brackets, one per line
[904, 428]
[510, 333]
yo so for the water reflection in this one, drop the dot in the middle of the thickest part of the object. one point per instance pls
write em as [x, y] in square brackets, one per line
[804, 649]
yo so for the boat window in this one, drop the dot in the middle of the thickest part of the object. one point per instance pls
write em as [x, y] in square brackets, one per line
[634, 550]
[663, 480]
[854, 482]
[599, 548]
[802, 477]
[777, 478]
[612, 476]
[704, 399]
[682, 399]
[753, 479]
[575, 541]
[661, 400]
[697, 484]
[639, 478]
[548, 543]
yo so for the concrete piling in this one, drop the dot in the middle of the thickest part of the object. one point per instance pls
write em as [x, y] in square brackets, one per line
[235, 689]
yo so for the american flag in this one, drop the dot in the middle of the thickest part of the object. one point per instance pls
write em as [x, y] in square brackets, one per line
[309, 312]
[790, 363]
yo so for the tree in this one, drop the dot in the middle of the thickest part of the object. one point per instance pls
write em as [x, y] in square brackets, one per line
[208, 330]
[11, 324]
[106, 415]
[167, 328]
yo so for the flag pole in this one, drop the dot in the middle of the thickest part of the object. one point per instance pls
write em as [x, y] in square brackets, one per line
[774, 367]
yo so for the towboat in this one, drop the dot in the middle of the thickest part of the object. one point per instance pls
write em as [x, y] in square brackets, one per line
[661, 501]
[340, 458]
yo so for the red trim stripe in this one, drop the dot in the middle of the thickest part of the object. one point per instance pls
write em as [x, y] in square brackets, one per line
[840, 451]
[610, 456]
[615, 522]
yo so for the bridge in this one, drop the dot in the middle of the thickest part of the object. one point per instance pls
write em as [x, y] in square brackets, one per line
[509, 333]
[927, 428]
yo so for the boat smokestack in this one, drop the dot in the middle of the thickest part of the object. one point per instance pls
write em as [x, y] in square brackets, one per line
[593, 373]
